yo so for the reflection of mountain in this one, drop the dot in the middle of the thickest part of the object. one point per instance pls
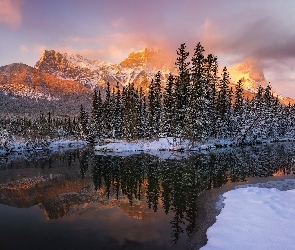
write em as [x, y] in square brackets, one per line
[58, 196]
[146, 182]
[28, 192]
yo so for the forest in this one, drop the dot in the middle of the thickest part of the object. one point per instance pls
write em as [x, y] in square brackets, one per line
[196, 104]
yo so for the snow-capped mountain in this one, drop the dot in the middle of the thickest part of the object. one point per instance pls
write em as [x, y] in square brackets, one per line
[22, 80]
[26, 90]
[138, 68]
[61, 82]
[251, 74]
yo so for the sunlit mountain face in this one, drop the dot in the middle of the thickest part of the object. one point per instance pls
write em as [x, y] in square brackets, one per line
[63, 81]
[251, 74]
[138, 68]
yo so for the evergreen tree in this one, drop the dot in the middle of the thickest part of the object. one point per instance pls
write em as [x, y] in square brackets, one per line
[155, 106]
[83, 121]
[182, 85]
[168, 113]
[118, 112]
[224, 104]
[107, 116]
[196, 115]
[129, 111]
[211, 77]
[238, 110]
[97, 115]
[140, 114]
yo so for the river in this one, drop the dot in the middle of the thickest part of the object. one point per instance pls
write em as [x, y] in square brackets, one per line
[80, 199]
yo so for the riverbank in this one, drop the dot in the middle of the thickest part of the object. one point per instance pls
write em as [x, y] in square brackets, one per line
[23, 145]
[172, 144]
[210, 204]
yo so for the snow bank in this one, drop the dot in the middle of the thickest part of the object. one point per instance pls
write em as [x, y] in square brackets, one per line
[254, 218]
[39, 145]
[66, 144]
[162, 144]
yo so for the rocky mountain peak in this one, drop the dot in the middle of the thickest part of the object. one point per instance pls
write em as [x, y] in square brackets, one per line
[52, 61]
[149, 58]
[250, 72]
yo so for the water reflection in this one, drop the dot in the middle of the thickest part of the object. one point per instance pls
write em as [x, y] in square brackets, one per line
[174, 185]
[140, 185]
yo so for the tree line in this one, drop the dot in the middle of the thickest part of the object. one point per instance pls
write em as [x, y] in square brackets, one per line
[197, 103]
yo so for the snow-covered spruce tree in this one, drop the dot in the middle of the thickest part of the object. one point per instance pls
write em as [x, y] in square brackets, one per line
[155, 106]
[6, 140]
[140, 130]
[144, 118]
[280, 119]
[107, 116]
[211, 77]
[117, 113]
[196, 114]
[283, 127]
[168, 114]
[182, 85]
[291, 121]
[129, 111]
[255, 117]
[83, 122]
[224, 105]
[113, 118]
[272, 112]
[137, 109]
[238, 111]
[97, 115]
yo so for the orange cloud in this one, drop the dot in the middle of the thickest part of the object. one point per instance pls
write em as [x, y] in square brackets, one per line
[10, 12]
[211, 37]
[114, 47]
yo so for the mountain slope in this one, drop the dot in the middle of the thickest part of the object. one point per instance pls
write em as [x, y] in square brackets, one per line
[251, 74]
[139, 67]
[24, 89]
[23, 80]
[60, 82]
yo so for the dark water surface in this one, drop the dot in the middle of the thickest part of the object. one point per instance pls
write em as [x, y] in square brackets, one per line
[80, 200]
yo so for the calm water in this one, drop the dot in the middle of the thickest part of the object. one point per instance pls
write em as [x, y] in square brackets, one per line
[79, 200]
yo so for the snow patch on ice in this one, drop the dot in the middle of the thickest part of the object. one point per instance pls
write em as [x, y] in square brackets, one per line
[13, 145]
[255, 218]
[162, 144]
[66, 144]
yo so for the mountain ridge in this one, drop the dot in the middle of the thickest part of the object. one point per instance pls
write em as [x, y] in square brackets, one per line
[57, 77]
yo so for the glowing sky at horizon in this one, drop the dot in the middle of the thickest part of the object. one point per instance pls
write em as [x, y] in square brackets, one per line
[233, 30]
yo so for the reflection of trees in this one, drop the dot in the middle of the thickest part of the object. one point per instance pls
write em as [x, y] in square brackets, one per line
[178, 183]
[153, 188]
[83, 160]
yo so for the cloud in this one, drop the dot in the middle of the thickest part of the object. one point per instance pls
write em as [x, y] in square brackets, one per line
[24, 48]
[114, 47]
[85, 52]
[10, 12]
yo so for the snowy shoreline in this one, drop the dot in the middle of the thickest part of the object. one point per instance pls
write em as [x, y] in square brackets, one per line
[252, 214]
[171, 144]
[41, 145]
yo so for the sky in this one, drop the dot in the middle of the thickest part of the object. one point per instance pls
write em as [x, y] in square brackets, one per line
[108, 30]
